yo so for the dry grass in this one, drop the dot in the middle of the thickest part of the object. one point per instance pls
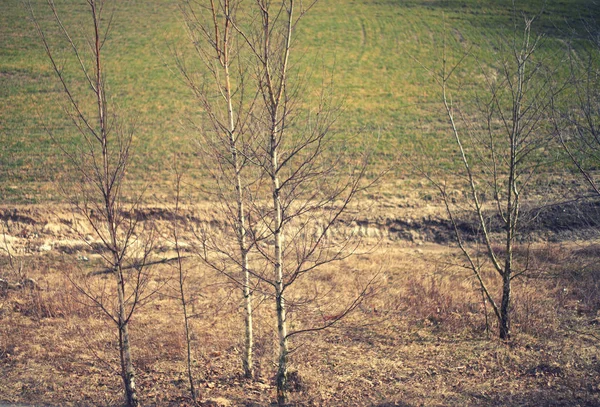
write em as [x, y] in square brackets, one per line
[418, 340]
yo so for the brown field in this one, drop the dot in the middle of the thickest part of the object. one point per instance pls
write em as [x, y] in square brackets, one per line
[418, 339]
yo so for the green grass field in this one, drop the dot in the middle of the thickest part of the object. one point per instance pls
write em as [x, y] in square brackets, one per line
[375, 49]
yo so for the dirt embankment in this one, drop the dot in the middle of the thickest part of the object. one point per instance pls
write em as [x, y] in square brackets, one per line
[38, 229]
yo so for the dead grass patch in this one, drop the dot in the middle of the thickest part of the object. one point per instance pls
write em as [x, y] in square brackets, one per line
[419, 339]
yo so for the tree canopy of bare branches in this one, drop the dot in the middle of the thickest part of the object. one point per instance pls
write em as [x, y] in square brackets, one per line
[500, 146]
[269, 150]
[100, 161]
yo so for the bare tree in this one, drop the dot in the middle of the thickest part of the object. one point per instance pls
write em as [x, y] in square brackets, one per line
[500, 147]
[309, 184]
[270, 152]
[100, 162]
[220, 86]
[182, 276]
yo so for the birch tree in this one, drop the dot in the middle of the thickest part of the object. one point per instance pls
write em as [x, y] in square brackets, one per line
[499, 146]
[100, 161]
[220, 86]
[309, 184]
[277, 172]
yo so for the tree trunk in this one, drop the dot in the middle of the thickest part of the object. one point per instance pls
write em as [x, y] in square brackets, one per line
[241, 216]
[127, 371]
[279, 285]
[247, 362]
[505, 307]
[188, 341]
[283, 349]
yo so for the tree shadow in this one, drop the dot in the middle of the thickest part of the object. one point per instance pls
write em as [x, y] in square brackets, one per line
[392, 404]
[562, 20]
[539, 398]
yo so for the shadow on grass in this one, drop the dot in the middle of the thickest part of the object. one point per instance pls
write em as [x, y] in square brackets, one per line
[560, 20]
[538, 398]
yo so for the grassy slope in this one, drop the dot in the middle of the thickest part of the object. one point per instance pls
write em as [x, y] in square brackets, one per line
[373, 45]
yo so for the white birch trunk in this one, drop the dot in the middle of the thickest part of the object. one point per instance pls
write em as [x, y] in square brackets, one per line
[241, 218]
[279, 286]
[276, 97]
[127, 370]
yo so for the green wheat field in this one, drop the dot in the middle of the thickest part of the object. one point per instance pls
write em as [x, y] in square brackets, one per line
[377, 54]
